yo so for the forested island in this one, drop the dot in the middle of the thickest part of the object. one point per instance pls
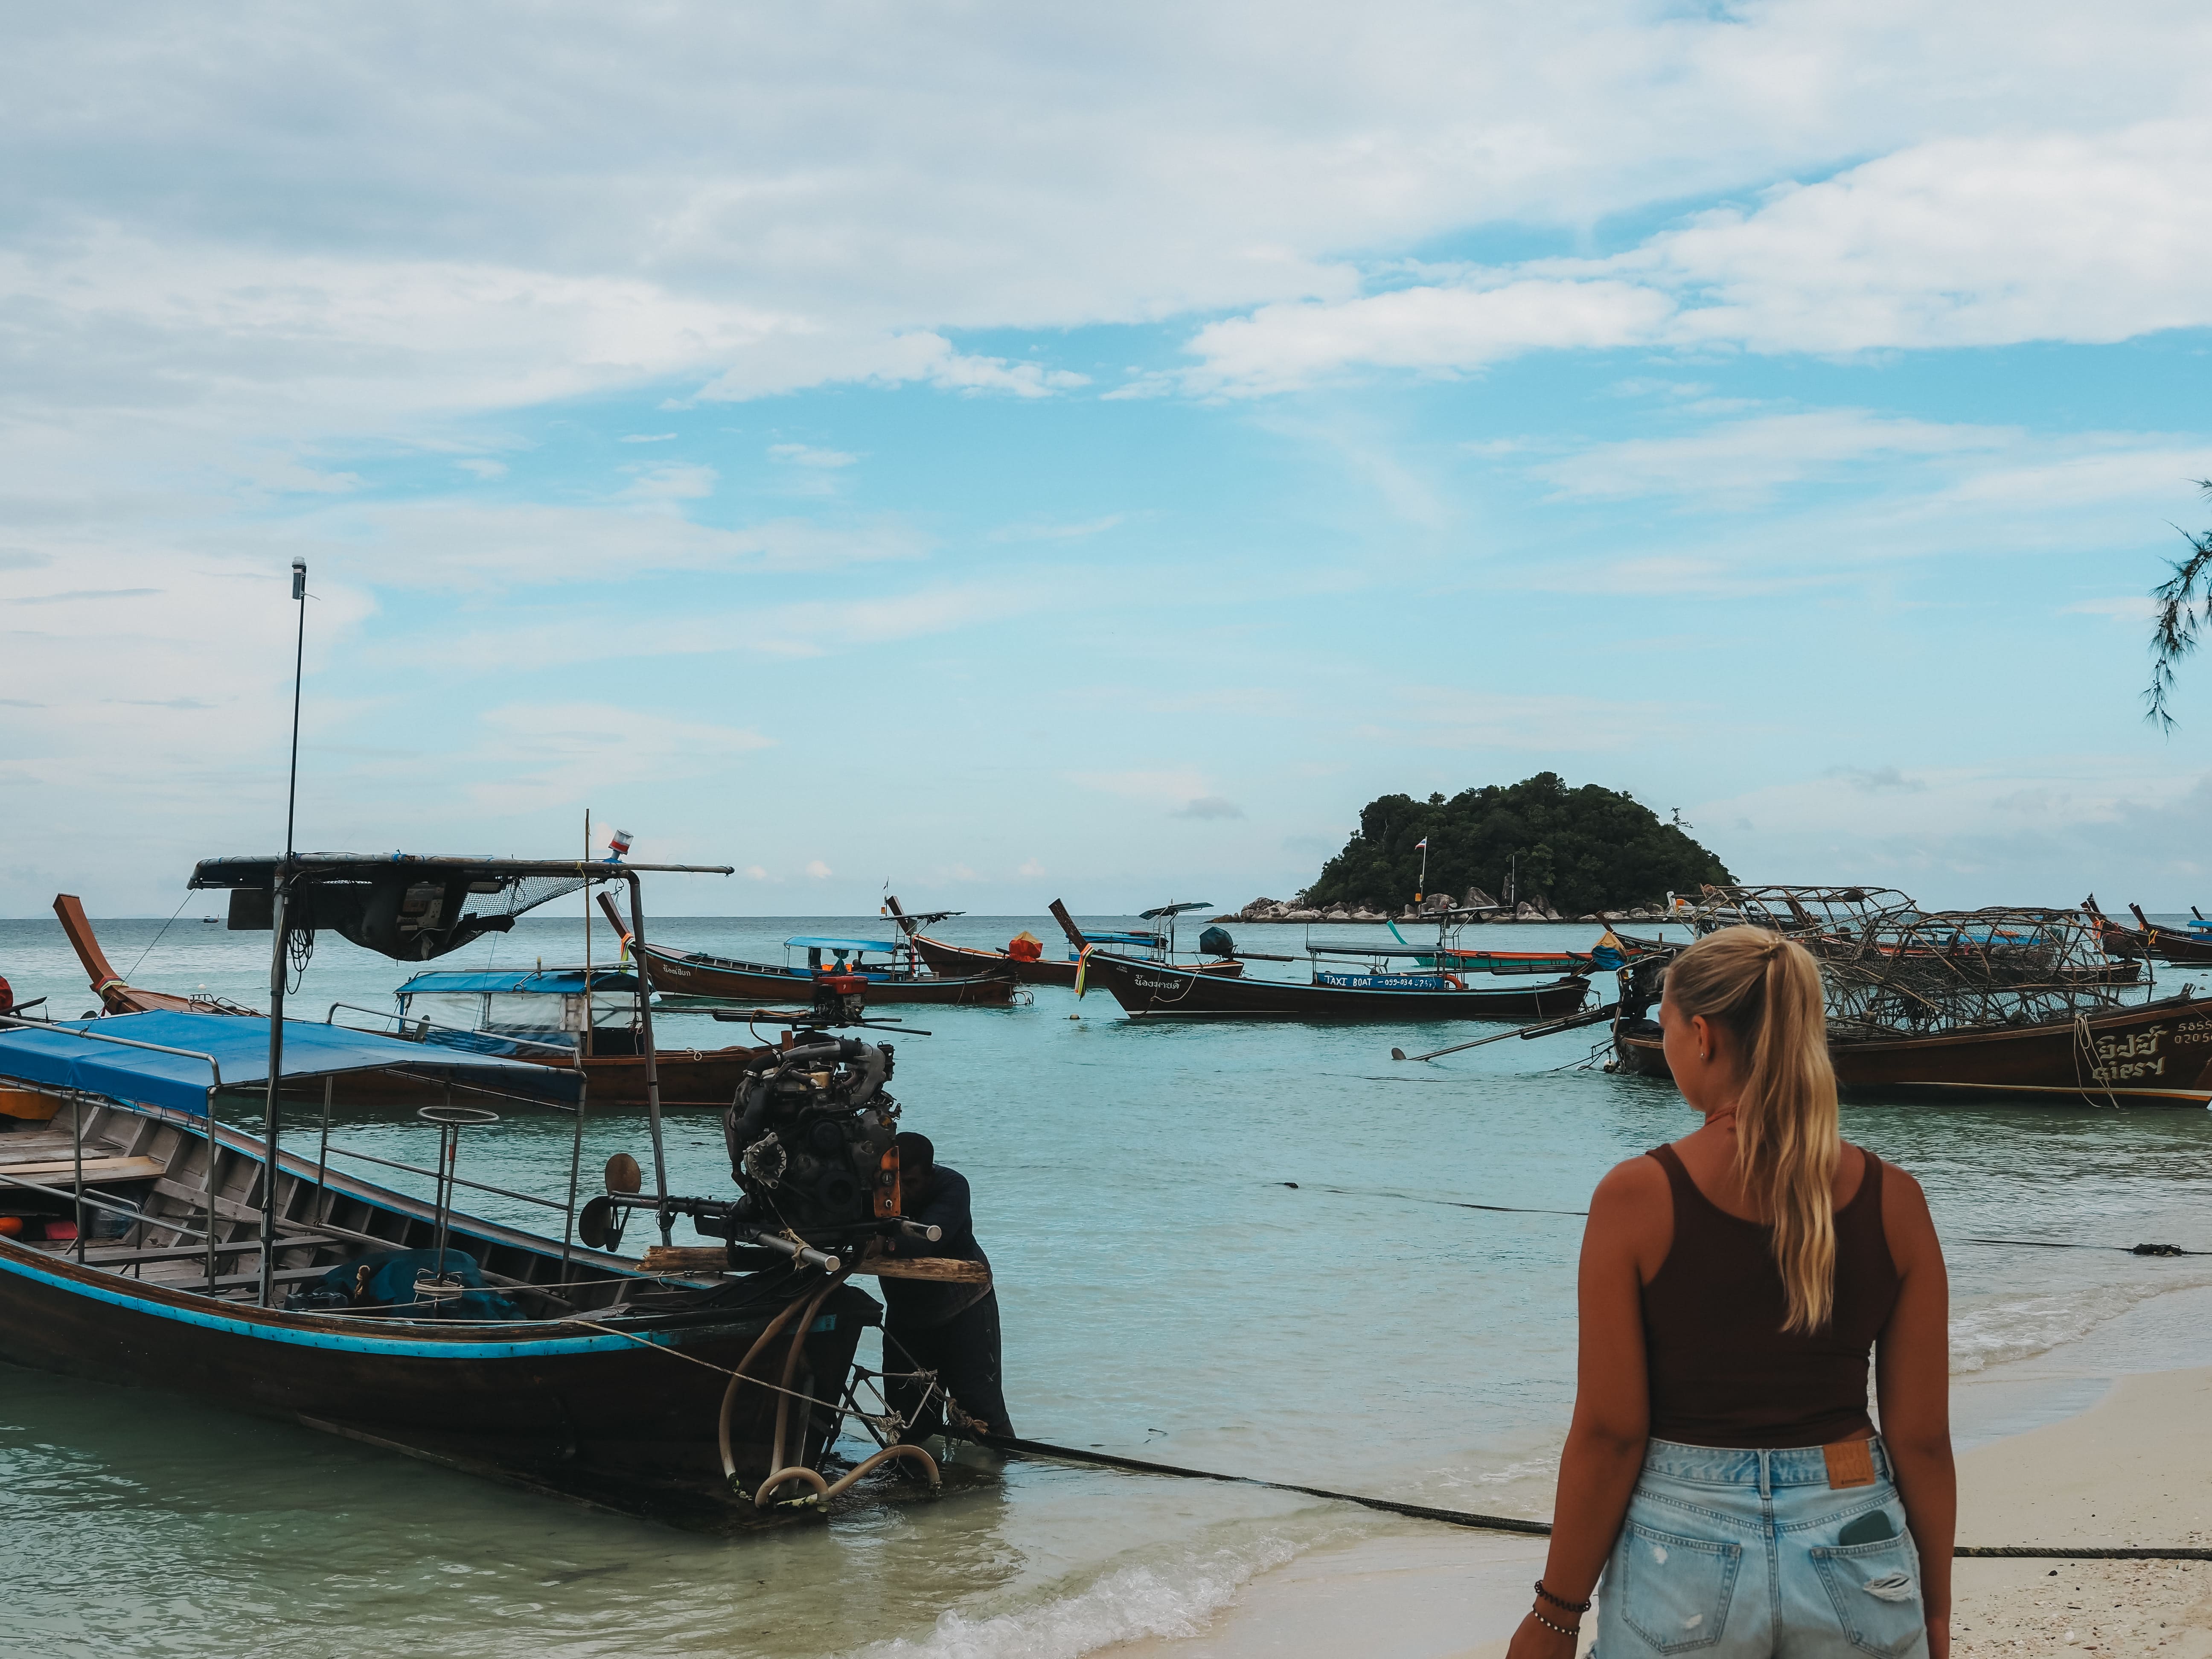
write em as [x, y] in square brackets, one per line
[1570, 851]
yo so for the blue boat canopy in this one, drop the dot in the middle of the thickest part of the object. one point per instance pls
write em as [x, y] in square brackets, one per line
[550, 982]
[842, 943]
[62, 1055]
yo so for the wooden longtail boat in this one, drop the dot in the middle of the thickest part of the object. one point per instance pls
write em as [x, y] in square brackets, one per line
[116, 997]
[693, 974]
[2122, 944]
[541, 1014]
[1987, 1003]
[1163, 990]
[688, 1076]
[2156, 1054]
[2171, 944]
[137, 1257]
[1040, 969]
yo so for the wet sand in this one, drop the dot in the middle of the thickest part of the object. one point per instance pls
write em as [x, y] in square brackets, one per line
[2134, 1468]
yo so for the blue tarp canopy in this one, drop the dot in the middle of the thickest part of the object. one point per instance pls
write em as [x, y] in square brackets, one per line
[57, 1056]
[552, 982]
[842, 943]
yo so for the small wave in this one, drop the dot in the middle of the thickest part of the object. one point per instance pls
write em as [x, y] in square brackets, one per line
[2008, 1328]
[1122, 1606]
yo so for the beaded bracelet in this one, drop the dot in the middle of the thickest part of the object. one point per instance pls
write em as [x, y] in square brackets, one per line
[1561, 1601]
[1563, 1630]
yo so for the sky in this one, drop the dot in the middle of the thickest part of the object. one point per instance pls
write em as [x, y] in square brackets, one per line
[1006, 451]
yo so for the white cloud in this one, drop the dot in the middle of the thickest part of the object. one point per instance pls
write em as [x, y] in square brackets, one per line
[1209, 806]
[540, 755]
[1435, 329]
[785, 359]
[483, 467]
[819, 870]
[1875, 779]
[1057, 533]
[1957, 241]
[1446, 717]
[795, 630]
[742, 199]
[461, 544]
[1960, 241]
[2131, 608]
[649, 437]
[2041, 833]
[1175, 784]
[806, 455]
[1751, 458]
[678, 482]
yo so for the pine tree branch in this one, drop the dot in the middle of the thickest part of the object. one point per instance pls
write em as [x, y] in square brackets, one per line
[2185, 607]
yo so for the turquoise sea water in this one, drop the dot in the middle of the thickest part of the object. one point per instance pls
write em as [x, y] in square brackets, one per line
[1165, 1292]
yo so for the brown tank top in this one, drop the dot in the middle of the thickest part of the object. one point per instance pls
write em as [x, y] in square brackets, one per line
[1723, 1372]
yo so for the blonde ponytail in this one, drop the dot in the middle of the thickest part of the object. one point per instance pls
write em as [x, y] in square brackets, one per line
[1766, 989]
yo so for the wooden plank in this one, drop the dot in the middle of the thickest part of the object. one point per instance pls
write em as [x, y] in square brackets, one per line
[282, 1276]
[117, 1258]
[685, 1259]
[95, 1168]
[710, 1259]
[940, 1269]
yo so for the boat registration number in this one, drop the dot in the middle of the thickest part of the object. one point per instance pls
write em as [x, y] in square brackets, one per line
[1382, 982]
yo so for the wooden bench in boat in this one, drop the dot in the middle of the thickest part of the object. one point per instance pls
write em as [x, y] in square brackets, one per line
[113, 1257]
[107, 1167]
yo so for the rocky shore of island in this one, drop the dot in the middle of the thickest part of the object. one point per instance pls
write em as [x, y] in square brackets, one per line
[1293, 910]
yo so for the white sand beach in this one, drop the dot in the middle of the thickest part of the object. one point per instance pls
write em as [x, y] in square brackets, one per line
[2133, 1469]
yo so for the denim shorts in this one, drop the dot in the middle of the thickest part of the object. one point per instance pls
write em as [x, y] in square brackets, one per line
[1727, 1553]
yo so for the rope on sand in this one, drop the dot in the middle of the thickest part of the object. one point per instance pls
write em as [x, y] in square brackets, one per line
[1514, 1523]
[1418, 1511]
[2086, 1552]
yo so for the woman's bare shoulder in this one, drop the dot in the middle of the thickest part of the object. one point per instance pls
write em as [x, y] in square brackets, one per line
[1899, 1187]
[1905, 1220]
[1632, 1183]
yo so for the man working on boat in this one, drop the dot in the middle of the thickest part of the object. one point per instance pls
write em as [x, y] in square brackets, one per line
[948, 1328]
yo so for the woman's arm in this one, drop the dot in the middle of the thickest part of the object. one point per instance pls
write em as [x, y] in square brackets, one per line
[1913, 1380]
[1630, 1223]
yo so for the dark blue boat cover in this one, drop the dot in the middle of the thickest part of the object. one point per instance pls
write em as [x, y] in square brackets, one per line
[56, 1056]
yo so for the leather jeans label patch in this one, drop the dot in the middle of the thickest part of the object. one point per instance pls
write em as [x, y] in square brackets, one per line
[1850, 1463]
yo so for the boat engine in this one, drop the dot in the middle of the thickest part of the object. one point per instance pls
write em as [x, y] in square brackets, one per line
[813, 1141]
[811, 1137]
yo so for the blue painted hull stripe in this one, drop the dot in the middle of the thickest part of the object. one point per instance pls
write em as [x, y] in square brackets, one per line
[391, 1347]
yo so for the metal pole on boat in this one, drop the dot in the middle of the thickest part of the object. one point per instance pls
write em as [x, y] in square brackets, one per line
[651, 1063]
[584, 1038]
[575, 1167]
[323, 1156]
[76, 1137]
[282, 929]
[208, 1194]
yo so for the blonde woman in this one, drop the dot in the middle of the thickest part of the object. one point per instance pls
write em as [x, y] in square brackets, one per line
[1722, 1470]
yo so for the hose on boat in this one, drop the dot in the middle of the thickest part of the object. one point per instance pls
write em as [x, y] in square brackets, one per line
[779, 1474]
[827, 1489]
[729, 1393]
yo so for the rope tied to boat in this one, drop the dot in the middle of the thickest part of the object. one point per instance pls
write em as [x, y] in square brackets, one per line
[1512, 1523]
